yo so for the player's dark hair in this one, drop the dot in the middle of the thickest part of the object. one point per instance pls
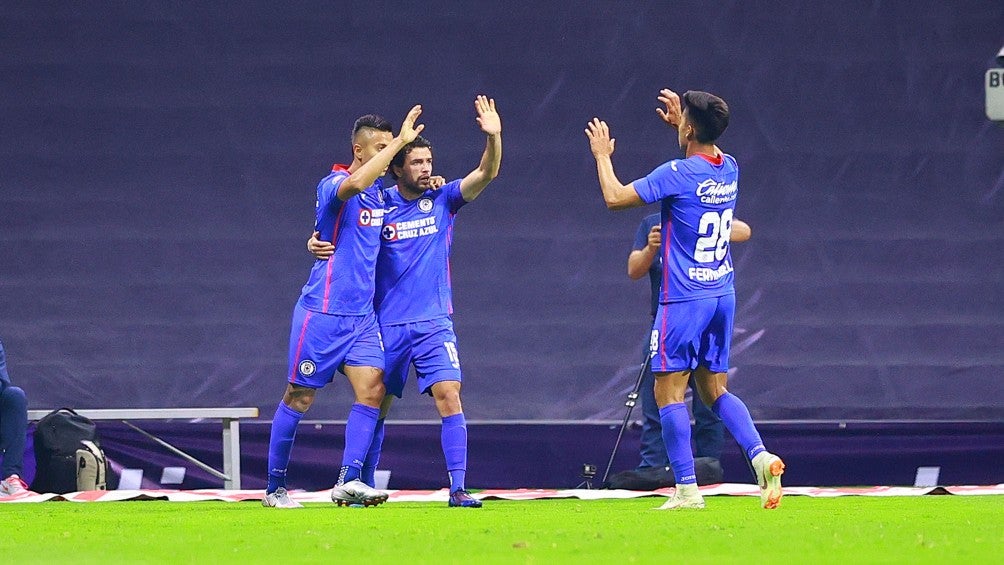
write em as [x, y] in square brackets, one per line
[372, 121]
[708, 113]
[398, 160]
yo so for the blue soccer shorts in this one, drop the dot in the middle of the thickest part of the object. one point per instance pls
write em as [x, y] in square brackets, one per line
[431, 346]
[693, 333]
[319, 344]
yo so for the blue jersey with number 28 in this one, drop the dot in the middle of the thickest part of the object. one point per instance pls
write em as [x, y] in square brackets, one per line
[698, 196]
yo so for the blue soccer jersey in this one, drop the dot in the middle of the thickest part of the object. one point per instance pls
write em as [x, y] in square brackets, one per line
[413, 269]
[698, 197]
[344, 284]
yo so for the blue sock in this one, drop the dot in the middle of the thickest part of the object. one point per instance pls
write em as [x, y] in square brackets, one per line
[13, 425]
[737, 419]
[676, 434]
[280, 444]
[358, 437]
[373, 455]
[454, 439]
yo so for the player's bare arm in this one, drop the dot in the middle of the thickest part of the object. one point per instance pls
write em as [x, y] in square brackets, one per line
[640, 260]
[741, 232]
[616, 195]
[491, 124]
[673, 113]
[367, 173]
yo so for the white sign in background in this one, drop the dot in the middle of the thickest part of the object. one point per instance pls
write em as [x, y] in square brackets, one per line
[995, 94]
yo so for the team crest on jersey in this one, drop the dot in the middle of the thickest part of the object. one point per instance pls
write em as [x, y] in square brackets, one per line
[389, 232]
[425, 205]
[371, 217]
[307, 367]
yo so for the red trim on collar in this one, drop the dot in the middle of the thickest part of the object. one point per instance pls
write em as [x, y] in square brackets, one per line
[713, 160]
[336, 167]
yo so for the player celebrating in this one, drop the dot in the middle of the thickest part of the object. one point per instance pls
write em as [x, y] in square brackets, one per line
[413, 294]
[334, 324]
[697, 297]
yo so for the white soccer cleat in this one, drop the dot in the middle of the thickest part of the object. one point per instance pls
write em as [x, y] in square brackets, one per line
[769, 468]
[685, 497]
[356, 492]
[279, 499]
[13, 486]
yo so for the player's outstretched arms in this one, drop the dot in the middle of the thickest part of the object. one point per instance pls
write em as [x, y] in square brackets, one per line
[616, 195]
[740, 232]
[673, 113]
[490, 122]
[322, 250]
[371, 170]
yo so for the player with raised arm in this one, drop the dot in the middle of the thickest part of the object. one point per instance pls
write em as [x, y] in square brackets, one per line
[413, 289]
[697, 296]
[334, 324]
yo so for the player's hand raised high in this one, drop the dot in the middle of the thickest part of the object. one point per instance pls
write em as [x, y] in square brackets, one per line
[409, 131]
[600, 142]
[488, 118]
[673, 113]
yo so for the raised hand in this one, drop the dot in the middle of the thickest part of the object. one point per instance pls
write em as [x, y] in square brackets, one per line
[488, 118]
[600, 142]
[673, 114]
[409, 131]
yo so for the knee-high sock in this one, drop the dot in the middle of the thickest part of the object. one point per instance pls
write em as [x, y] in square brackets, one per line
[676, 434]
[373, 455]
[13, 425]
[280, 444]
[454, 439]
[358, 437]
[737, 419]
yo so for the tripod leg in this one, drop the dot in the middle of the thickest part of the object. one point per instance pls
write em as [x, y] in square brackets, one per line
[632, 397]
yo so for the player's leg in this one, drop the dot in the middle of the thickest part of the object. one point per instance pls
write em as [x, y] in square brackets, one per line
[677, 326]
[13, 425]
[653, 448]
[709, 432]
[308, 371]
[397, 360]
[437, 367]
[364, 369]
[711, 378]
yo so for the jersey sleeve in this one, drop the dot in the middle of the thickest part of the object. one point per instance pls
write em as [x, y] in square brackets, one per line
[665, 181]
[327, 193]
[453, 196]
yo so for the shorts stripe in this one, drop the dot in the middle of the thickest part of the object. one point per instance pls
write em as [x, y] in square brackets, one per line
[299, 346]
[662, 342]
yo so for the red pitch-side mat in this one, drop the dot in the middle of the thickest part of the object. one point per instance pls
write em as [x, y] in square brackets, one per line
[729, 489]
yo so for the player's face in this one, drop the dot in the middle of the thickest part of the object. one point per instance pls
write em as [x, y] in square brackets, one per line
[417, 170]
[368, 142]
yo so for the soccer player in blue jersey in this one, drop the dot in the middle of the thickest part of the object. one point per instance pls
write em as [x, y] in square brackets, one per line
[413, 291]
[697, 298]
[334, 325]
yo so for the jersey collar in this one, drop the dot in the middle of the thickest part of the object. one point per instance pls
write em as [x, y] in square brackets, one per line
[716, 161]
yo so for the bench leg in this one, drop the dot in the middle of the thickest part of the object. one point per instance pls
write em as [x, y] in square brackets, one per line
[232, 453]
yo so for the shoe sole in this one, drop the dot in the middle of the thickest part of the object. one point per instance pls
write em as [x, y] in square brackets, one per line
[771, 498]
[375, 501]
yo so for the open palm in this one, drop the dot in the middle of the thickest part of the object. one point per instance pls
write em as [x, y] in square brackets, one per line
[488, 118]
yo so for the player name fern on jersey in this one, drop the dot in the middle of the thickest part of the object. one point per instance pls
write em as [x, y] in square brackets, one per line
[704, 274]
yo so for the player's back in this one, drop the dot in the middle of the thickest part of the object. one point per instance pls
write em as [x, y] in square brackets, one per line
[413, 269]
[698, 197]
[344, 284]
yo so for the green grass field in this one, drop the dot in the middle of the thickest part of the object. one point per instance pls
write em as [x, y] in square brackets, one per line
[731, 529]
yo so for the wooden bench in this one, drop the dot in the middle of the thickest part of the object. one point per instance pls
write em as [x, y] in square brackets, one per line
[231, 474]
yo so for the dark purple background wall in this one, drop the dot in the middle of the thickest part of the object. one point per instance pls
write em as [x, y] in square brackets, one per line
[159, 164]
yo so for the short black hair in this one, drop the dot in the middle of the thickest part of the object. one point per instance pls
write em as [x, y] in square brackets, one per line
[398, 160]
[708, 113]
[372, 121]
